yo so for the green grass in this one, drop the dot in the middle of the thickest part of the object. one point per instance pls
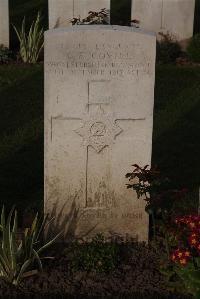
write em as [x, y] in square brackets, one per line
[176, 142]
[21, 135]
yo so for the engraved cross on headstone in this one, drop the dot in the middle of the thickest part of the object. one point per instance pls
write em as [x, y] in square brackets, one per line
[99, 128]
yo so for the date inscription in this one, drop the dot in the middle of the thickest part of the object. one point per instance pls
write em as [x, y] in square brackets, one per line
[101, 60]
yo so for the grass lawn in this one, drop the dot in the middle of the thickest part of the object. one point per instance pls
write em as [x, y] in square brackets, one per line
[21, 135]
[176, 142]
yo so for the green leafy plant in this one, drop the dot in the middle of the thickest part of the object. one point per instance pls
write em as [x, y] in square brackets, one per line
[191, 278]
[31, 43]
[17, 257]
[193, 49]
[97, 255]
[161, 198]
[99, 17]
[6, 55]
[168, 49]
[158, 191]
[160, 195]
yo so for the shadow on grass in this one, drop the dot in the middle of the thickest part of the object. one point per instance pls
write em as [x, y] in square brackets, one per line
[21, 136]
[176, 142]
[21, 178]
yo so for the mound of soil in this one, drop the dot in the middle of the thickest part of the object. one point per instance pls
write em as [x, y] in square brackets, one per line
[136, 276]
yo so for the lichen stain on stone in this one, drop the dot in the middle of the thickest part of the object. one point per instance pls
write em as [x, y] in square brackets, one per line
[102, 197]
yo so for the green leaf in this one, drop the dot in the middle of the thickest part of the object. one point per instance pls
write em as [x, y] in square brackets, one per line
[31, 43]
[195, 275]
[23, 269]
[197, 295]
[49, 243]
[38, 259]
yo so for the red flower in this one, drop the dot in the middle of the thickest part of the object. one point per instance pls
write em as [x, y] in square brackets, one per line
[192, 225]
[181, 256]
[192, 221]
[183, 261]
[192, 241]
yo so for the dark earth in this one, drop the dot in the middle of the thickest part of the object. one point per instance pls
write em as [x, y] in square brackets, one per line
[136, 275]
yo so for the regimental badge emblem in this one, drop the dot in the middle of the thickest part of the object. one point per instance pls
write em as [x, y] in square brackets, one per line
[99, 129]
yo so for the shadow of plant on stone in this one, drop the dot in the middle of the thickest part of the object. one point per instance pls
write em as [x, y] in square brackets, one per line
[66, 223]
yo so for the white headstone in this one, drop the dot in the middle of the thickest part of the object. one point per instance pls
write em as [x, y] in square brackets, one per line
[62, 11]
[175, 17]
[4, 23]
[99, 96]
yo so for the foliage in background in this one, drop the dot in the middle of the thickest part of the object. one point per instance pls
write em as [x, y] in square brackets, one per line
[121, 12]
[6, 55]
[197, 17]
[31, 42]
[168, 49]
[158, 191]
[17, 256]
[193, 49]
[28, 8]
[97, 255]
[99, 17]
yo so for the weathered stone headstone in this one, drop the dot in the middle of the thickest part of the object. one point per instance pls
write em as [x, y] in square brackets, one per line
[62, 11]
[99, 96]
[175, 17]
[4, 23]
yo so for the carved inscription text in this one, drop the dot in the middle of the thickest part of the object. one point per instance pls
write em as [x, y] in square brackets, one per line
[102, 60]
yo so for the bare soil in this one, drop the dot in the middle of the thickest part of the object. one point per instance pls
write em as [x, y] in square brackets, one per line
[136, 276]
